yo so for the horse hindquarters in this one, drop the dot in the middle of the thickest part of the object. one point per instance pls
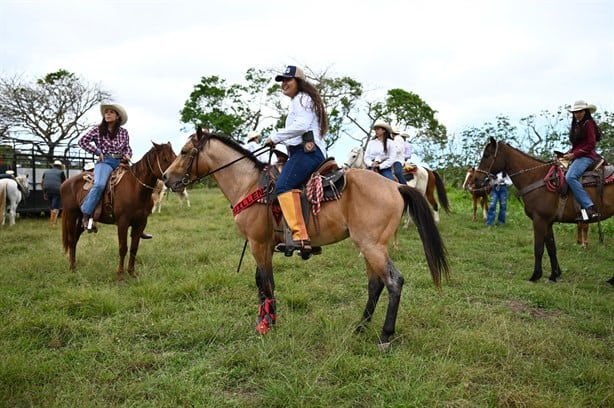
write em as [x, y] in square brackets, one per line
[3, 201]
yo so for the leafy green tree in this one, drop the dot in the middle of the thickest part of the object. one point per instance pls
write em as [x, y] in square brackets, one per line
[48, 113]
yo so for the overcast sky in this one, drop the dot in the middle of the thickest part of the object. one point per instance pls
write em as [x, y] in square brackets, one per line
[469, 60]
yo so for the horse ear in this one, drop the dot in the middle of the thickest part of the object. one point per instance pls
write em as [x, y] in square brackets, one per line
[492, 140]
[155, 144]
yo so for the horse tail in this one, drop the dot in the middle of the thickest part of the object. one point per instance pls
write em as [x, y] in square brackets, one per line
[434, 249]
[2, 201]
[441, 192]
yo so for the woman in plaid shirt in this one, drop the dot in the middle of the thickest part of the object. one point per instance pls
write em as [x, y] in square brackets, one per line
[111, 143]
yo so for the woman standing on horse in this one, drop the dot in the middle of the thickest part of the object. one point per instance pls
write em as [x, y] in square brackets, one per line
[583, 136]
[303, 135]
[380, 152]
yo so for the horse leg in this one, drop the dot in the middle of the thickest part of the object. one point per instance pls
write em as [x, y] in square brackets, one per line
[431, 199]
[484, 203]
[122, 237]
[475, 209]
[394, 284]
[551, 248]
[266, 300]
[375, 288]
[539, 234]
[135, 238]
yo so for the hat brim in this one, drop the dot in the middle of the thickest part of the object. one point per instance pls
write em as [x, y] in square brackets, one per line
[591, 108]
[280, 78]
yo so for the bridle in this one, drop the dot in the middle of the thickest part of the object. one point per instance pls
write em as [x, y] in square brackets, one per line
[185, 180]
[489, 174]
[150, 169]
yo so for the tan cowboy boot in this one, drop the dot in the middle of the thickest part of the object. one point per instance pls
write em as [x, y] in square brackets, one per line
[53, 217]
[290, 203]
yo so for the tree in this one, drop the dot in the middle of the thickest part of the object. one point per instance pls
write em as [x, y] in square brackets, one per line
[48, 113]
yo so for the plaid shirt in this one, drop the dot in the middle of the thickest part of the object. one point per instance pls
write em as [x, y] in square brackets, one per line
[95, 144]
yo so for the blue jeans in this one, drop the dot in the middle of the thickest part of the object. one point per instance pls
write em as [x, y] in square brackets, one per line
[398, 172]
[54, 201]
[298, 168]
[102, 172]
[497, 195]
[384, 172]
[576, 168]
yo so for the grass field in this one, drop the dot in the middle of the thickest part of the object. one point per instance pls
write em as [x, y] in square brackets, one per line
[182, 333]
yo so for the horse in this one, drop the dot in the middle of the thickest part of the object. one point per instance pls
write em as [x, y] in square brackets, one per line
[13, 191]
[160, 191]
[130, 205]
[582, 239]
[425, 181]
[367, 211]
[538, 183]
[477, 194]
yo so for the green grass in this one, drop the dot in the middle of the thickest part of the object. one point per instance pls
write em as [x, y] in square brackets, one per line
[182, 332]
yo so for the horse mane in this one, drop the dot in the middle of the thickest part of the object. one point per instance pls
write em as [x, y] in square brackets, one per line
[233, 144]
[527, 155]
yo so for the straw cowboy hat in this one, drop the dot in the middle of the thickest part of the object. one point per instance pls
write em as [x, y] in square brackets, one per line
[89, 166]
[123, 115]
[252, 135]
[383, 125]
[581, 105]
[57, 163]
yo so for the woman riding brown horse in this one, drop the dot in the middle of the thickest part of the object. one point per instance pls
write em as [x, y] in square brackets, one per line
[538, 183]
[367, 211]
[131, 205]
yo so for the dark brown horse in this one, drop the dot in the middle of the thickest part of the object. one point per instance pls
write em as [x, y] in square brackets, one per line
[478, 194]
[131, 203]
[542, 203]
[368, 212]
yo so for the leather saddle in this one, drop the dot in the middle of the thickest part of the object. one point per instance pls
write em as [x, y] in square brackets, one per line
[104, 210]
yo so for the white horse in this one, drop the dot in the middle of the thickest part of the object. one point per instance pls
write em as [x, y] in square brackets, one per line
[425, 181]
[12, 191]
[160, 191]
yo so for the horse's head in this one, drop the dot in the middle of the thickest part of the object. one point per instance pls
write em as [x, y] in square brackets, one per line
[159, 157]
[354, 159]
[490, 164]
[24, 186]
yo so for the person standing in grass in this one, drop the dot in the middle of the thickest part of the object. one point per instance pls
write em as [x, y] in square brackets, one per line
[52, 180]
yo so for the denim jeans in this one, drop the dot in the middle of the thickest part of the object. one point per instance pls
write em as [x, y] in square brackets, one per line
[102, 172]
[398, 172]
[385, 172]
[298, 168]
[497, 195]
[576, 168]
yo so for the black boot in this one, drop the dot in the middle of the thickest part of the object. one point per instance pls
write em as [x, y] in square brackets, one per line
[589, 214]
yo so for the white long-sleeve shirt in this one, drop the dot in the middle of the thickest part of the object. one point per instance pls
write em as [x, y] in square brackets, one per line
[375, 152]
[399, 144]
[301, 118]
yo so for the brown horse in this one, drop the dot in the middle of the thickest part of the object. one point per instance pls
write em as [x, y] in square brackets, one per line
[131, 205]
[478, 194]
[368, 211]
[582, 234]
[544, 204]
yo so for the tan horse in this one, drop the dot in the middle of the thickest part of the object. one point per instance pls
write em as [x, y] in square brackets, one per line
[542, 203]
[368, 212]
[131, 205]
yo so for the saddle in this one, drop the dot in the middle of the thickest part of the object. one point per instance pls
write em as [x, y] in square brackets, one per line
[326, 183]
[104, 210]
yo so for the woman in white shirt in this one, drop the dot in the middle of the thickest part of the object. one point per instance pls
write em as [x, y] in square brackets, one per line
[380, 152]
[303, 135]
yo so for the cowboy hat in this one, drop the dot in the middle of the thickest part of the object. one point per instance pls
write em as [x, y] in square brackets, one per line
[252, 135]
[123, 115]
[89, 166]
[291, 71]
[581, 105]
[383, 125]
[57, 163]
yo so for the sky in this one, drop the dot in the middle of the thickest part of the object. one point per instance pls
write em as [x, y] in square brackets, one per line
[468, 60]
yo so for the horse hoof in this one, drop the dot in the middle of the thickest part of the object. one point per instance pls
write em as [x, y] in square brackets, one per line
[263, 327]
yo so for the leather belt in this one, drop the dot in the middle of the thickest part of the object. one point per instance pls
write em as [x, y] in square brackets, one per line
[114, 156]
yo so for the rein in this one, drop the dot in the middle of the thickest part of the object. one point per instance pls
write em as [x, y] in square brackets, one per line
[194, 152]
[522, 171]
[150, 169]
